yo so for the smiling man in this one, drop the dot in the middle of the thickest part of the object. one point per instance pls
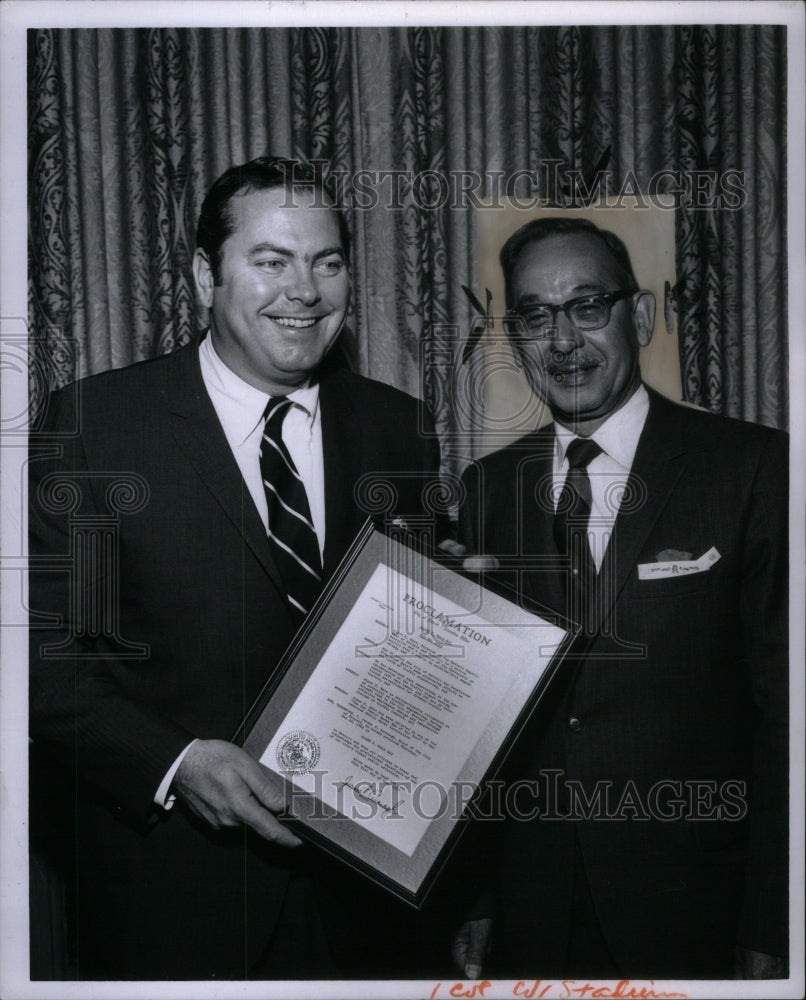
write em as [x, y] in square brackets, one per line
[577, 319]
[272, 270]
[241, 455]
[650, 836]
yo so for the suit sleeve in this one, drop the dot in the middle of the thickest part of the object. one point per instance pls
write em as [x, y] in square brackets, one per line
[431, 460]
[79, 715]
[764, 613]
[469, 511]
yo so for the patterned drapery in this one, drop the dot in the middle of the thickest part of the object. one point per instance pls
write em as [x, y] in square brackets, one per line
[128, 127]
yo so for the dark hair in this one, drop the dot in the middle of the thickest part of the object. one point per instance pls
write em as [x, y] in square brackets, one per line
[541, 229]
[216, 222]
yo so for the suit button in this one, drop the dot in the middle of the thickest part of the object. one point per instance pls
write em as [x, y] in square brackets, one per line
[574, 724]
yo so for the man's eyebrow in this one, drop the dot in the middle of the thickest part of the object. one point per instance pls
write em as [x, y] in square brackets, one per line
[286, 252]
[578, 291]
[270, 248]
[329, 252]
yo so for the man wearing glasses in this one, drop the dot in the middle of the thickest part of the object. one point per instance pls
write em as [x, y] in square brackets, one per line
[648, 838]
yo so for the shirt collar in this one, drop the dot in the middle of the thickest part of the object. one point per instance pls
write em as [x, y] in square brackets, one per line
[246, 404]
[618, 435]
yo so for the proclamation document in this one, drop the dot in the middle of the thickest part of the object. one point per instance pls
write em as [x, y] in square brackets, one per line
[399, 699]
[406, 686]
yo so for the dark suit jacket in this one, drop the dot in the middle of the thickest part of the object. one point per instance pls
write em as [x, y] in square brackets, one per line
[194, 627]
[680, 680]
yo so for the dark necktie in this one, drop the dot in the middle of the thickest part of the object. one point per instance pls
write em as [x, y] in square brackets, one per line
[291, 532]
[574, 508]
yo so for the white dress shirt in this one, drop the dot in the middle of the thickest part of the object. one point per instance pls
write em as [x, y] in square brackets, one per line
[608, 473]
[240, 409]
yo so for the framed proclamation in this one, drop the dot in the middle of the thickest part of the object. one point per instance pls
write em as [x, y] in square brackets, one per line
[402, 692]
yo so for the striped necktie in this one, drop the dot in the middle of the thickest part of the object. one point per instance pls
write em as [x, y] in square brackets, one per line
[574, 509]
[292, 536]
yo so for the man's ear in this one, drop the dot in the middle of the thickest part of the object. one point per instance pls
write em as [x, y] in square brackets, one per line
[643, 308]
[203, 277]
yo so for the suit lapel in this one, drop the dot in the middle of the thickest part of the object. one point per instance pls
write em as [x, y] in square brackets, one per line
[660, 461]
[195, 426]
[535, 522]
[342, 446]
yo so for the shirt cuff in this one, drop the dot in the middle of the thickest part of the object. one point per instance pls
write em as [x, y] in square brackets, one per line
[162, 798]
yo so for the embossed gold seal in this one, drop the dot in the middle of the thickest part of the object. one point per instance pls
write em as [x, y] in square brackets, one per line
[298, 752]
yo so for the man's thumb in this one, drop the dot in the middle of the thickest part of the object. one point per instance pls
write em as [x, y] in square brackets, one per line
[478, 946]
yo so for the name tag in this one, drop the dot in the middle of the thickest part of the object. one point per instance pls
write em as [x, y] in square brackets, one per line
[678, 567]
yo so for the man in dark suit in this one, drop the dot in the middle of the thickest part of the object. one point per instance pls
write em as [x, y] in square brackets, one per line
[649, 836]
[159, 605]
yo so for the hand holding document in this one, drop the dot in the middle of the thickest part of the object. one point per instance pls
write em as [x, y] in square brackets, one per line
[407, 684]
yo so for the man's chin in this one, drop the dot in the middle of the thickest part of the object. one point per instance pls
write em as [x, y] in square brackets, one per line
[572, 402]
[298, 369]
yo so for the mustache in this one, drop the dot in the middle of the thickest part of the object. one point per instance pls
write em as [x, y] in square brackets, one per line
[562, 364]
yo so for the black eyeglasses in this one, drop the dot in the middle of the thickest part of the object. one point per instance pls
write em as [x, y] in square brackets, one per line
[588, 312]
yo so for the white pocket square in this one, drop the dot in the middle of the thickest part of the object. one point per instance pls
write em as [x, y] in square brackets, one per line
[677, 567]
[673, 555]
